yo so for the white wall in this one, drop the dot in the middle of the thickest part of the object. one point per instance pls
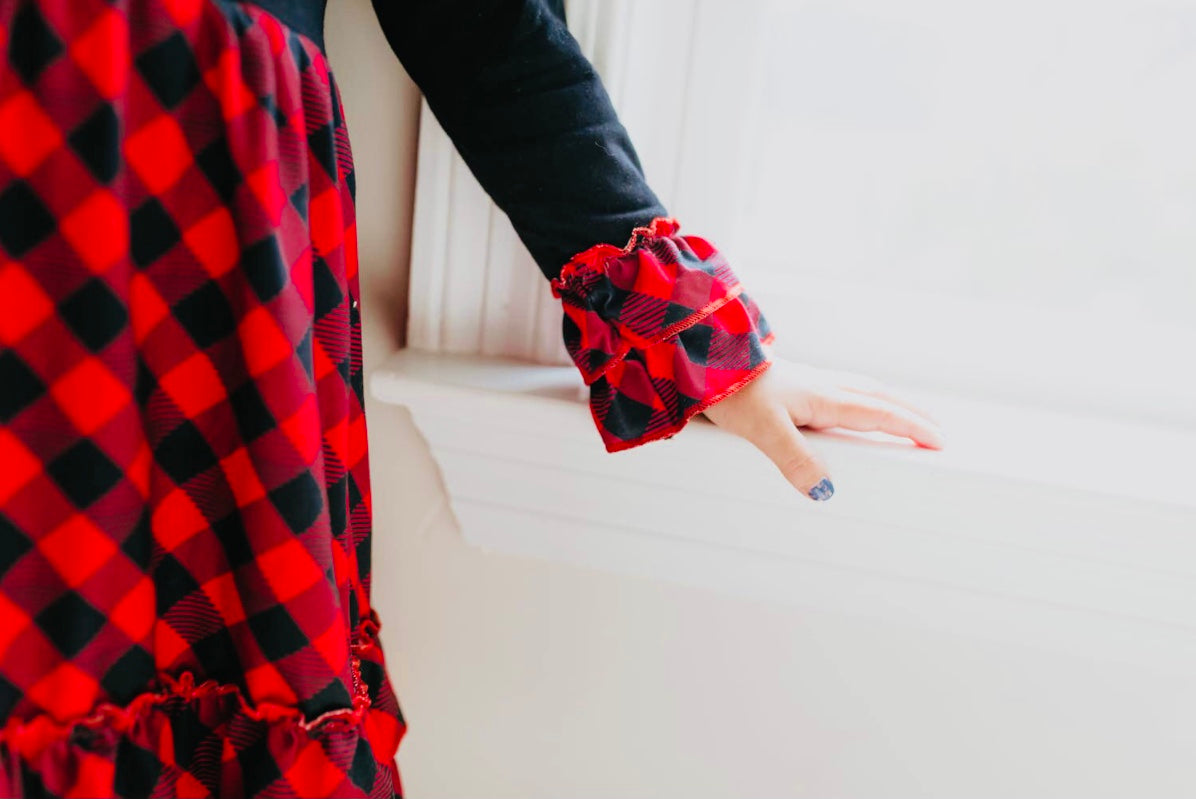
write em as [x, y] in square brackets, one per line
[527, 679]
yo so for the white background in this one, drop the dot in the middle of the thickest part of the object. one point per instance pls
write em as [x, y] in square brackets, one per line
[991, 199]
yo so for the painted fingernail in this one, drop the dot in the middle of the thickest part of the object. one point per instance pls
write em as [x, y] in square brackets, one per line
[823, 491]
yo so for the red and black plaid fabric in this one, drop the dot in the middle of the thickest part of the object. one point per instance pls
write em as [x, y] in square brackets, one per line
[184, 497]
[660, 330]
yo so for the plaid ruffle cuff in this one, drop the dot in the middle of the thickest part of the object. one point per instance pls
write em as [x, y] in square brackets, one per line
[660, 331]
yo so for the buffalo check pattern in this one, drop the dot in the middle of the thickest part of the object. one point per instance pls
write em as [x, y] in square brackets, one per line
[660, 330]
[184, 495]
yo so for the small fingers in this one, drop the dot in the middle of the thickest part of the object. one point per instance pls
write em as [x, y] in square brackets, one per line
[877, 391]
[867, 413]
[856, 383]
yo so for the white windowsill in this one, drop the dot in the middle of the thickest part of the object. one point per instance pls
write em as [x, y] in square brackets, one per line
[1048, 529]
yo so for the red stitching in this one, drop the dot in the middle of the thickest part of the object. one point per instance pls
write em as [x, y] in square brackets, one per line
[577, 273]
[629, 341]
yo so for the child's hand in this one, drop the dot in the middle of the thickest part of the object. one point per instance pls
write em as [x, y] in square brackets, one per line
[768, 411]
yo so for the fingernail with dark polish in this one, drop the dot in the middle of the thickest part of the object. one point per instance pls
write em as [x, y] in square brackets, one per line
[823, 491]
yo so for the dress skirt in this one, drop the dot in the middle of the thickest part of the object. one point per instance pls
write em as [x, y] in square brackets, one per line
[184, 495]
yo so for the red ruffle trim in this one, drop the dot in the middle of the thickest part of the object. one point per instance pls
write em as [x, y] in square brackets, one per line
[199, 739]
[660, 329]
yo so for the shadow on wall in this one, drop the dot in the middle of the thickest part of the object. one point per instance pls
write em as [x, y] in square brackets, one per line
[382, 109]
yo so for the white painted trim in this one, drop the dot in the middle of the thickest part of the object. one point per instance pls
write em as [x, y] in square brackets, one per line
[430, 231]
[1029, 526]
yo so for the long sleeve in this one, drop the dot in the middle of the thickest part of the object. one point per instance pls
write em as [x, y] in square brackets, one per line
[660, 329]
[529, 115]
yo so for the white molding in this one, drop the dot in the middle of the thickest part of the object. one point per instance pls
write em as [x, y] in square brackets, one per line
[1029, 528]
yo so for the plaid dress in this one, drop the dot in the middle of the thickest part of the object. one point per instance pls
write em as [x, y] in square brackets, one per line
[184, 493]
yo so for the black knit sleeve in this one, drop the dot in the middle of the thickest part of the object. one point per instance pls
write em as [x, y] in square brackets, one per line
[529, 115]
